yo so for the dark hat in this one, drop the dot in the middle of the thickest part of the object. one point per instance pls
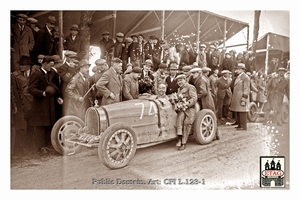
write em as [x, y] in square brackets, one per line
[120, 34]
[187, 68]
[137, 70]
[57, 59]
[241, 66]
[25, 60]
[141, 35]
[117, 60]
[51, 19]
[180, 76]
[152, 37]
[83, 63]
[162, 66]
[48, 59]
[32, 20]
[105, 33]
[21, 15]
[74, 27]
[134, 36]
[100, 62]
[41, 56]
[70, 54]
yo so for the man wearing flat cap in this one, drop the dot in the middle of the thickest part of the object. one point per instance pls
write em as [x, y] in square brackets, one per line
[172, 85]
[201, 58]
[277, 87]
[160, 76]
[110, 84]
[146, 74]
[119, 45]
[240, 97]
[77, 96]
[224, 95]
[22, 40]
[45, 41]
[131, 84]
[106, 47]
[152, 51]
[185, 118]
[73, 42]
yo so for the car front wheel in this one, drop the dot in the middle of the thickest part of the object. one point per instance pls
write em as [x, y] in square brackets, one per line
[117, 146]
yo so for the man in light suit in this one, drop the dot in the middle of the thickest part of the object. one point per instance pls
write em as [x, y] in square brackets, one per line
[110, 84]
[240, 96]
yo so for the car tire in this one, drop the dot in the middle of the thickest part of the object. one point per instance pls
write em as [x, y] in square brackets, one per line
[117, 146]
[205, 126]
[252, 114]
[285, 112]
[63, 129]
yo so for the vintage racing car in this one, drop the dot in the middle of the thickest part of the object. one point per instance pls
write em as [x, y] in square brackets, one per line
[119, 129]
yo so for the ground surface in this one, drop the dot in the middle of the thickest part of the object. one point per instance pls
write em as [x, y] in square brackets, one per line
[229, 163]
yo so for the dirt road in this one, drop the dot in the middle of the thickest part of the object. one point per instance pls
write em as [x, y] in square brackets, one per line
[230, 163]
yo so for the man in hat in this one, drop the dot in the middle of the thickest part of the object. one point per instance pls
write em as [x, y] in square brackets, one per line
[185, 118]
[22, 40]
[110, 84]
[73, 42]
[193, 53]
[212, 79]
[99, 69]
[45, 41]
[77, 91]
[106, 47]
[201, 58]
[125, 57]
[227, 63]
[224, 95]
[23, 103]
[43, 113]
[171, 83]
[131, 84]
[152, 50]
[67, 70]
[277, 87]
[240, 97]
[160, 76]
[146, 77]
[186, 71]
[215, 58]
[119, 45]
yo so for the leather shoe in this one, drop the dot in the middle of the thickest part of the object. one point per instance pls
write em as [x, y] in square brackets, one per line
[235, 123]
[178, 144]
[182, 147]
[240, 129]
[217, 137]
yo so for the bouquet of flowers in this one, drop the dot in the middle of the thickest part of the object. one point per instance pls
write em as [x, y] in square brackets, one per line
[146, 85]
[180, 103]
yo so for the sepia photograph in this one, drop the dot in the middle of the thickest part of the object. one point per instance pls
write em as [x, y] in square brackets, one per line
[149, 99]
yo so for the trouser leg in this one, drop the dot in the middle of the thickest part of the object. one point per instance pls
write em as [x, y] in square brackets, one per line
[219, 108]
[243, 119]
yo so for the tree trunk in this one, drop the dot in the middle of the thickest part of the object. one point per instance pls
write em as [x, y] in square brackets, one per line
[85, 32]
[255, 30]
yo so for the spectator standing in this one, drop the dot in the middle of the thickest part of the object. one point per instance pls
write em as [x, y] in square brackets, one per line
[32, 23]
[110, 84]
[240, 97]
[184, 57]
[261, 86]
[215, 58]
[160, 76]
[171, 82]
[106, 47]
[193, 54]
[174, 53]
[131, 84]
[45, 41]
[125, 57]
[186, 71]
[73, 42]
[119, 45]
[227, 63]
[22, 41]
[43, 113]
[201, 58]
[77, 91]
[212, 81]
[146, 80]
[224, 95]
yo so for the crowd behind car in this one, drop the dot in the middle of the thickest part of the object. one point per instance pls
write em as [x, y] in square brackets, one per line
[44, 87]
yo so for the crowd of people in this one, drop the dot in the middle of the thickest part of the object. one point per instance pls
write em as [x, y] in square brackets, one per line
[44, 87]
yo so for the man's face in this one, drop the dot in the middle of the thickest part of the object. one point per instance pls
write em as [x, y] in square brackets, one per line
[24, 68]
[162, 70]
[74, 32]
[85, 70]
[173, 72]
[140, 38]
[181, 82]
[106, 36]
[21, 21]
[136, 76]
[50, 25]
[120, 39]
[281, 73]
[161, 90]
[117, 67]
[195, 74]
[102, 67]
[47, 66]
[238, 71]
[147, 67]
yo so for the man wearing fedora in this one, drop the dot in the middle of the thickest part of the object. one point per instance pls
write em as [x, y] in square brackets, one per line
[43, 113]
[131, 84]
[45, 41]
[78, 97]
[240, 97]
[73, 42]
[23, 102]
[22, 40]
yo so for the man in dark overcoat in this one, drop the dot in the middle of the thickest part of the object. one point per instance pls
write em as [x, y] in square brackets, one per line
[43, 113]
[240, 97]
